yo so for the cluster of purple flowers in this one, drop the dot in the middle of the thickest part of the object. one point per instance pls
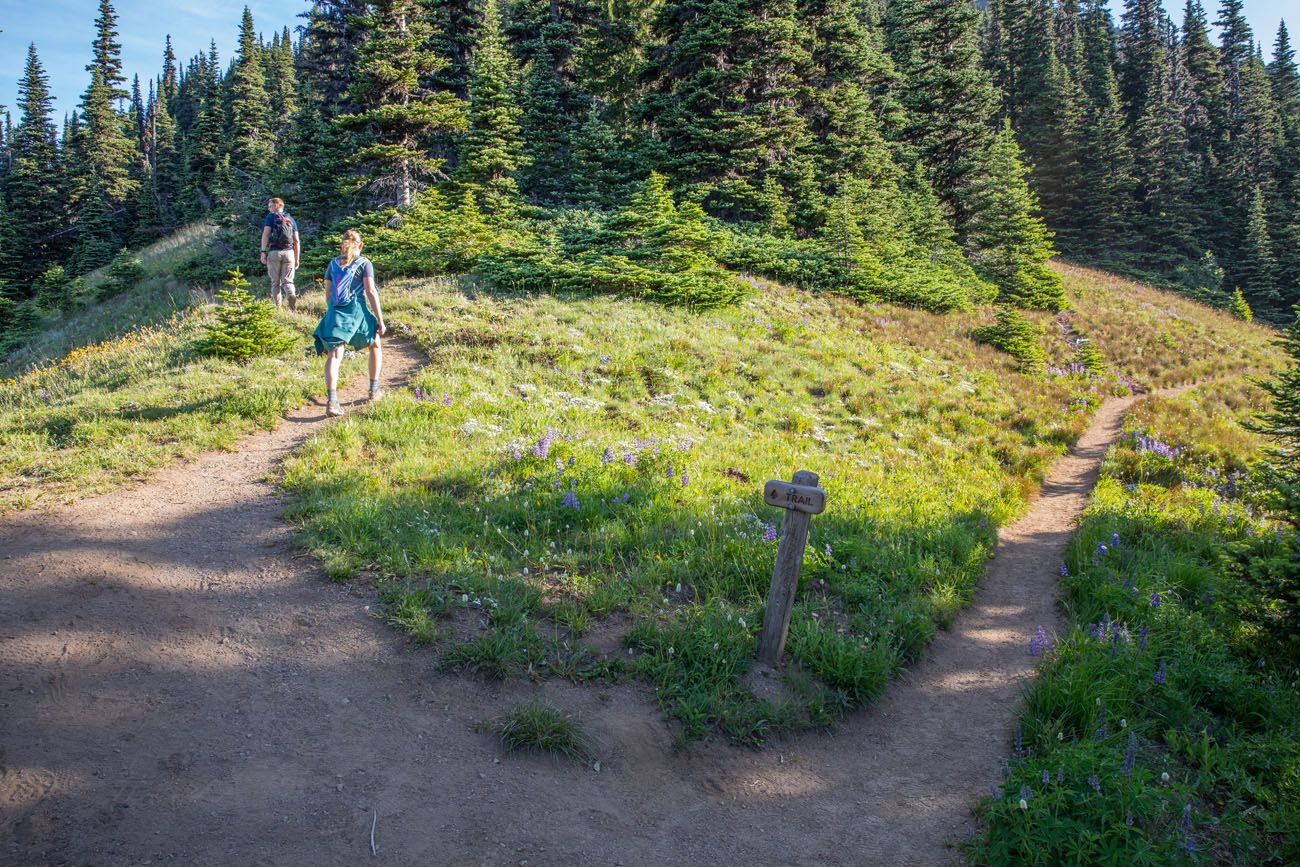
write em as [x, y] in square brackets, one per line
[1072, 370]
[1130, 755]
[1040, 643]
[543, 447]
[570, 500]
[1152, 446]
[769, 533]
[627, 495]
[1160, 674]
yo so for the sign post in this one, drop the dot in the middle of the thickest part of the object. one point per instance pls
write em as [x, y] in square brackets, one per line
[801, 498]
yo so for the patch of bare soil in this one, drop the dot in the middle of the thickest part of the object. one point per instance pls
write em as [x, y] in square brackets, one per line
[180, 686]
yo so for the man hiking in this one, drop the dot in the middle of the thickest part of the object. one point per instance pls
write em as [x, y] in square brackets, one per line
[281, 250]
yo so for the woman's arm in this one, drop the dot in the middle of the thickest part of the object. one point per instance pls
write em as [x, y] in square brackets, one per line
[372, 295]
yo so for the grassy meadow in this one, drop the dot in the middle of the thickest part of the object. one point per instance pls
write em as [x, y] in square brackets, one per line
[571, 488]
[1164, 724]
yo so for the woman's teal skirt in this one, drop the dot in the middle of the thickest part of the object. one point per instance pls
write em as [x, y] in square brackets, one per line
[351, 323]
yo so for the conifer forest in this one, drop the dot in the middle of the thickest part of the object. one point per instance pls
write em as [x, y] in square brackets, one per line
[927, 152]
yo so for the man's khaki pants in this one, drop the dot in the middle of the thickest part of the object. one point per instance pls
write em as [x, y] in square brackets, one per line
[279, 267]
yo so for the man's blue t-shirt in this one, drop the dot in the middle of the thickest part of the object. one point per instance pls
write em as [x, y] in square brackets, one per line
[269, 223]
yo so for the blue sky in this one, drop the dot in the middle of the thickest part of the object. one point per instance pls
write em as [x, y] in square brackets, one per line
[63, 29]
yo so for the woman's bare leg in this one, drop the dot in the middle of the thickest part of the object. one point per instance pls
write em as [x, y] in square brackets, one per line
[376, 359]
[332, 360]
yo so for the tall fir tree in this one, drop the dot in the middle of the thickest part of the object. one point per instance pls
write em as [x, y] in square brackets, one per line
[1256, 269]
[327, 58]
[250, 142]
[108, 52]
[281, 86]
[170, 76]
[1236, 47]
[948, 94]
[33, 174]
[399, 115]
[725, 100]
[1005, 237]
[492, 151]
[107, 154]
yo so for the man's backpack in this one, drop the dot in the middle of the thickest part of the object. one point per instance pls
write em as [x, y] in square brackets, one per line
[281, 231]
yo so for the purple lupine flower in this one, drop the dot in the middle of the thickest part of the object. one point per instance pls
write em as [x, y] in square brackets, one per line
[1040, 643]
[1047, 777]
[607, 457]
[1101, 549]
[419, 395]
[559, 464]
[446, 399]
[1103, 730]
[627, 495]
[685, 480]
[629, 459]
[570, 500]
[572, 460]
[1114, 540]
[1160, 674]
[828, 550]
[1142, 638]
[1130, 755]
[670, 474]
[769, 534]
[1065, 571]
[1095, 783]
[1155, 598]
[1128, 819]
[515, 453]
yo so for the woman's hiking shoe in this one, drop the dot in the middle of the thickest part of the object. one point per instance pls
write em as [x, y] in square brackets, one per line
[333, 409]
[375, 395]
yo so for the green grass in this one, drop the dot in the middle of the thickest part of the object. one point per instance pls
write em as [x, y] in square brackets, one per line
[1163, 726]
[119, 409]
[539, 727]
[645, 500]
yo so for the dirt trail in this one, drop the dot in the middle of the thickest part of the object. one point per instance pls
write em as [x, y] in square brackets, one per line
[178, 687]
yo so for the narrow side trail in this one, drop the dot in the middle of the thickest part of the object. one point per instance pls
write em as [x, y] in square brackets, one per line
[177, 686]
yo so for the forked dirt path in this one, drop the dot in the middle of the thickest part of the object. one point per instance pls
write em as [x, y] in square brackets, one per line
[177, 686]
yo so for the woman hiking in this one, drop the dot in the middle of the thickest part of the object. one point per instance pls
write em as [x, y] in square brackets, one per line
[348, 321]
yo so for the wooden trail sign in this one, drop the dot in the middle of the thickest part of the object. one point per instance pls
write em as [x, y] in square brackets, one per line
[801, 498]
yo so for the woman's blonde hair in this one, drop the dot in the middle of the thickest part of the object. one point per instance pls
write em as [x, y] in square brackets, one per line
[351, 244]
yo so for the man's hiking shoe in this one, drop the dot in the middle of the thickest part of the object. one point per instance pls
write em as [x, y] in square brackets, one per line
[375, 395]
[333, 409]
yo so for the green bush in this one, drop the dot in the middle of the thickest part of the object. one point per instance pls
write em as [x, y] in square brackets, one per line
[651, 249]
[1015, 335]
[53, 288]
[21, 320]
[1239, 308]
[245, 327]
[123, 273]
[1088, 355]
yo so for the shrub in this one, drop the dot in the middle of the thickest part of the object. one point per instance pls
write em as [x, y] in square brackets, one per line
[21, 321]
[1239, 308]
[1088, 355]
[123, 273]
[1015, 335]
[245, 327]
[53, 288]
[651, 249]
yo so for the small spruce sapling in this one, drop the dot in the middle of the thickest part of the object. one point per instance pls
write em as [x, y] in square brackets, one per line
[1239, 308]
[245, 327]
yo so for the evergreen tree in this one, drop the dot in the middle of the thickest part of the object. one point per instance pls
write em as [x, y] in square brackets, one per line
[250, 136]
[399, 114]
[1256, 269]
[106, 154]
[165, 160]
[1106, 161]
[492, 152]
[1236, 47]
[1161, 224]
[725, 99]
[318, 157]
[1004, 236]
[1141, 46]
[949, 97]
[170, 80]
[1283, 74]
[454, 25]
[1282, 425]
[545, 34]
[328, 55]
[96, 238]
[281, 85]
[108, 53]
[598, 181]
[33, 174]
